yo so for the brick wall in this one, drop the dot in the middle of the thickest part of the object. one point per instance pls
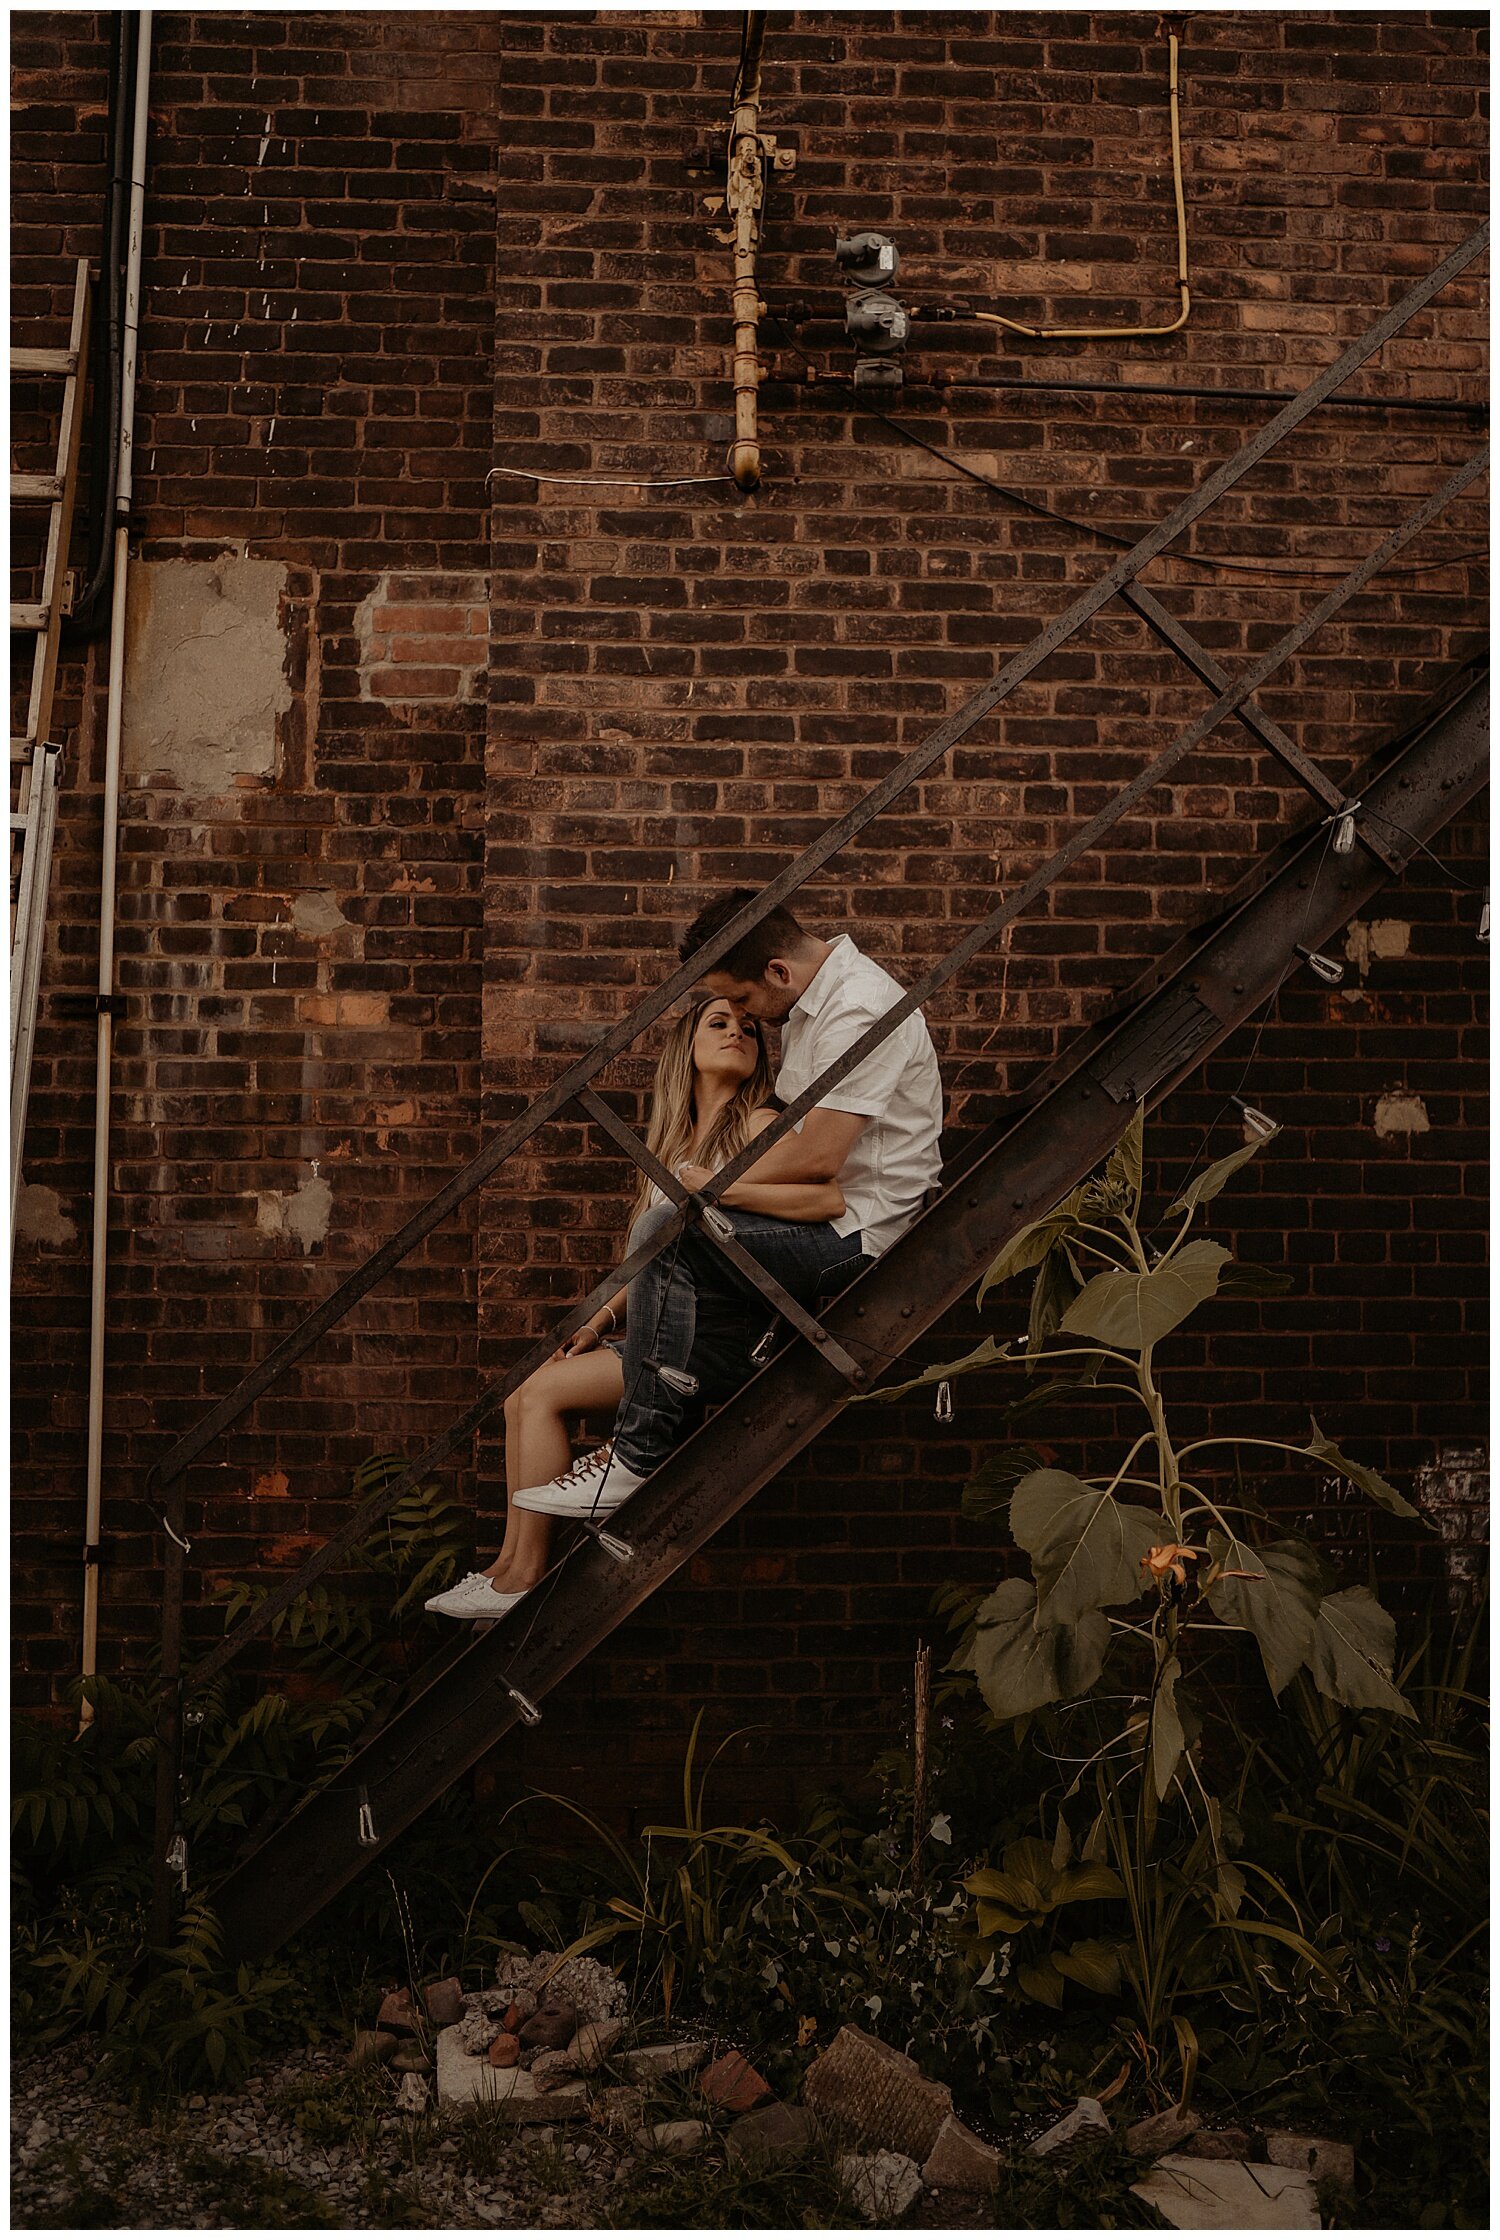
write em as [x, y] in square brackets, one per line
[684, 686]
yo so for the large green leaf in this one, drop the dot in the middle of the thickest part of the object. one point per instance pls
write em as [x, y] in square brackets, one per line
[1134, 1311]
[985, 1356]
[988, 1492]
[1278, 1604]
[1019, 1668]
[1369, 1481]
[1030, 1245]
[1040, 1980]
[1055, 1289]
[1354, 1652]
[1092, 1963]
[1167, 1737]
[1212, 1180]
[1241, 1279]
[1085, 1547]
[1123, 1170]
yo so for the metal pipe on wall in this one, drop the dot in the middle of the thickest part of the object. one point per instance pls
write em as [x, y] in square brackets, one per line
[104, 1052]
[744, 200]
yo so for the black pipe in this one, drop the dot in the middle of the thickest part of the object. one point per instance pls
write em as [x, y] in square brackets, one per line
[90, 609]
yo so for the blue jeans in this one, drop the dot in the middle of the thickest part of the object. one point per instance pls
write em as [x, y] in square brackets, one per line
[692, 1320]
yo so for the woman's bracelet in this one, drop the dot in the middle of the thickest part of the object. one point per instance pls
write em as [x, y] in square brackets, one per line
[613, 1322]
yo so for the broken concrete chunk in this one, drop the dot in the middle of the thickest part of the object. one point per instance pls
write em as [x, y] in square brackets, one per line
[683, 2060]
[620, 2107]
[881, 2185]
[504, 2051]
[878, 2093]
[671, 2138]
[413, 2096]
[461, 2077]
[1159, 2134]
[1316, 2158]
[961, 2160]
[411, 2060]
[549, 2070]
[1197, 2195]
[1228, 2145]
[732, 2084]
[444, 2002]
[770, 2134]
[370, 2046]
[398, 2011]
[593, 2042]
[1080, 2127]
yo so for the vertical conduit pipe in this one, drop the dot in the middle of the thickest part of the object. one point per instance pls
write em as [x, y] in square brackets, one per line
[124, 476]
[745, 196]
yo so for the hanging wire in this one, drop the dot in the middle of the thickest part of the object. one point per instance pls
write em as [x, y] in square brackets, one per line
[604, 482]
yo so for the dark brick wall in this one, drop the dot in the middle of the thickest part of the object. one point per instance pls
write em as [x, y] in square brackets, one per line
[683, 687]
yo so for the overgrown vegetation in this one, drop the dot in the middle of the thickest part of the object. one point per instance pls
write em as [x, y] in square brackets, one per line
[1188, 1830]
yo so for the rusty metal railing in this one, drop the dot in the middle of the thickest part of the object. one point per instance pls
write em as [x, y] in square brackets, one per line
[574, 1086]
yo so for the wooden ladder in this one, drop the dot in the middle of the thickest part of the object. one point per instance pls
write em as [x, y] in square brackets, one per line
[34, 757]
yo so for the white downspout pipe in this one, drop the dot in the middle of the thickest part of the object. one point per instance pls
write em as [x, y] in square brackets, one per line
[107, 877]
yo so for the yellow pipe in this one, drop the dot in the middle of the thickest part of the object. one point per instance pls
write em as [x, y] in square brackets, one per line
[744, 200]
[1083, 334]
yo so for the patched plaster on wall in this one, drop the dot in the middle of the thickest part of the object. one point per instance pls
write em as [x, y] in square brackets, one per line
[303, 1213]
[40, 1218]
[317, 912]
[1378, 941]
[1399, 1114]
[205, 673]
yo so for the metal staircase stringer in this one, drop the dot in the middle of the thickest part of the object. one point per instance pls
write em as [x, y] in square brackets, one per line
[468, 1706]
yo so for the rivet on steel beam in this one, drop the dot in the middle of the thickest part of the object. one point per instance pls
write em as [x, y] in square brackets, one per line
[1239, 987]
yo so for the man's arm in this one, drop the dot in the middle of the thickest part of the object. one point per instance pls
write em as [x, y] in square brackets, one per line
[813, 1152]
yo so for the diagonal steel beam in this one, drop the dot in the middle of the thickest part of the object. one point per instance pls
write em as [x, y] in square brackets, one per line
[983, 932]
[722, 1237]
[444, 1729]
[313, 1326]
[1175, 634]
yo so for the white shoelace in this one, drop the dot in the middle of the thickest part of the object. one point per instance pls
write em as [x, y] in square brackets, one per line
[586, 1467]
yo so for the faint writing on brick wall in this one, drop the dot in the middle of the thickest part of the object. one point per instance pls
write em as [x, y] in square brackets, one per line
[423, 640]
[1453, 1493]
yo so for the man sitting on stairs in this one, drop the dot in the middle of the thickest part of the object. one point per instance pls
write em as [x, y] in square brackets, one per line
[693, 1320]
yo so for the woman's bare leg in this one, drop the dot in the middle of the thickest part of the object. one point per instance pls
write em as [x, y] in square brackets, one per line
[537, 1448]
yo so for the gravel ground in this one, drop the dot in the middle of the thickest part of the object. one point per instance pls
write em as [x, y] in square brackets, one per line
[80, 2158]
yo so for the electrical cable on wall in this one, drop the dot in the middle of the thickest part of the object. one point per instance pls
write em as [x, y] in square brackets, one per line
[1084, 334]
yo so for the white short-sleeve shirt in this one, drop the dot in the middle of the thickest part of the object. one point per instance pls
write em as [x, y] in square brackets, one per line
[897, 1088]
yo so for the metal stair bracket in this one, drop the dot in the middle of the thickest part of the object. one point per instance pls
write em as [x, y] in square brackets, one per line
[468, 1706]
[34, 758]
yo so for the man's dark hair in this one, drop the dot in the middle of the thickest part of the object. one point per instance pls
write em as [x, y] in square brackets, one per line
[777, 935]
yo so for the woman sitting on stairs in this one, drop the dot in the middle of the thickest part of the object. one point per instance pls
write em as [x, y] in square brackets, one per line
[712, 1095]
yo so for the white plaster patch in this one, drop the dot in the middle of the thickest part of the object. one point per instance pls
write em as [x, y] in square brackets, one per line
[40, 1218]
[1378, 941]
[1400, 1114]
[303, 1213]
[317, 912]
[205, 674]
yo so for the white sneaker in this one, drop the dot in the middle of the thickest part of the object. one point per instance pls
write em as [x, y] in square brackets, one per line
[593, 1488]
[473, 1597]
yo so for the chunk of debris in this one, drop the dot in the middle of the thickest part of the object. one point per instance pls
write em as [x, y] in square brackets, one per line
[1316, 2158]
[1080, 2127]
[1159, 2134]
[1197, 2195]
[593, 2043]
[772, 2134]
[398, 2011]
[413, 2096]
[881, 2185]
[961, 2161]
[671, 2138]
[444, 2002]
[878, 2093]
[647, 2062]
[732, 2084]
[371, 2046]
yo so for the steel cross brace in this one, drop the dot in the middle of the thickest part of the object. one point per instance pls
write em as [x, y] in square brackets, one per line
[719, 1233]
[1176, 635]
[954, 727]
[467, 1708]
[359, 1522]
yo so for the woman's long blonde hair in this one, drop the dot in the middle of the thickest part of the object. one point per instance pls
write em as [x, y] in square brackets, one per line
[673, 1115]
